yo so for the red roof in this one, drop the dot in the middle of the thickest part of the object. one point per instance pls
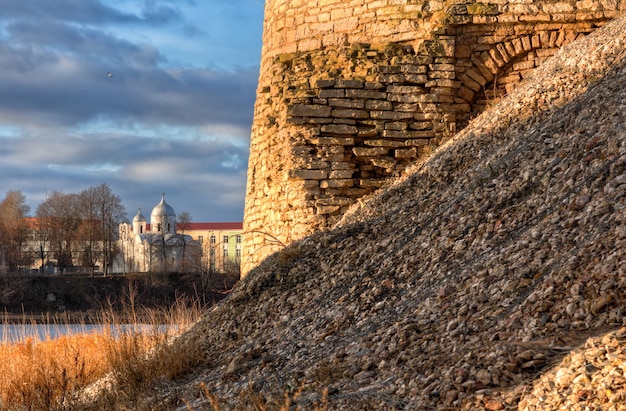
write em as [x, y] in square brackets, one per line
[215, 226]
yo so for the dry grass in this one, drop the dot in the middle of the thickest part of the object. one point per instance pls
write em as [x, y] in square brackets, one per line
[49, 373]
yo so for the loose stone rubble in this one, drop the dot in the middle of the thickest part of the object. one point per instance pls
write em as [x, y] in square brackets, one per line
[491, 276]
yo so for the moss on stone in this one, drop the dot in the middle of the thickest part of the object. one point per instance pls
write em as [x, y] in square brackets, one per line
[482, 9]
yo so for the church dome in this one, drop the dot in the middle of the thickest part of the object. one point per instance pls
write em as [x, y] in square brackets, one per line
[163, 218]
[162, 209]
[139, 218]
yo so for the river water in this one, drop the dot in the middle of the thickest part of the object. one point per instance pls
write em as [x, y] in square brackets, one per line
[13, 333]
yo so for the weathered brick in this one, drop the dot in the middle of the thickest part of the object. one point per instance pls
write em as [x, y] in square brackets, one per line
[348, 83]
[327, 209]
[346, 103]
[396, 89]
[406, 153]
[331, 93]
[338, 129]
[332, 141]
[340, 174]
[390, 115]
[369, 151]
[309, 174]
[384, 143]
[360, 93]
[378, 105]
[349, 113]
[309, 110]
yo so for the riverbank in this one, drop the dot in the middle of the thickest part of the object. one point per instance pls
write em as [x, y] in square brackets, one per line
[83, 299]
[50, 367]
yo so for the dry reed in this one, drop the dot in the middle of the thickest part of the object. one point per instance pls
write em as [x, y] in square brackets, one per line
[46, 373]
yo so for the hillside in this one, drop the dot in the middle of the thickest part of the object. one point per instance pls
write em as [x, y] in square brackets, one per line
[490, 277]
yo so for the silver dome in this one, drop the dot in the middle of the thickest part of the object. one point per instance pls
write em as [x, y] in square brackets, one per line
[162, 209]
[139, 218]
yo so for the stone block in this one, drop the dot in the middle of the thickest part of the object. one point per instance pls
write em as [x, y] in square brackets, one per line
[391, 78]
[503, 52]
[332, 141]
[396, 125]
[349, 113]
[394, 134]
[373, 85]
[378, 105]
[387, 163]
[421, 125]
[477, 77]
[442, 46]
[340, 174]
[384, 143]
[490, 63]
[309, 110]
[406, 153]
[407, 98]
[336, 183]
[367, 132]
[390, 115]
[338, 129]
[331, 93]
[397, 89]
[324, 83]
[347, 83]
[415, 78]
[308, 174]
[346, 103]
[327, 209]
[450, 75]
[367, 94]
[496, 57]
[470, 83]
[524, 65]
[369, 151]
[414, 69]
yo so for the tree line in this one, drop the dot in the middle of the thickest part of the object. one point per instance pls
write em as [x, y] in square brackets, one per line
[68, 230]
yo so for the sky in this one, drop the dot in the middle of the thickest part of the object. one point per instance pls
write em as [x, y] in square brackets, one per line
[173, 116]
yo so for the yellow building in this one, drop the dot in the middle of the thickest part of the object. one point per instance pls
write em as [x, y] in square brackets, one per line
[221, 243]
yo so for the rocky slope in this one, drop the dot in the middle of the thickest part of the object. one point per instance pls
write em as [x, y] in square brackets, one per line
[492, 276]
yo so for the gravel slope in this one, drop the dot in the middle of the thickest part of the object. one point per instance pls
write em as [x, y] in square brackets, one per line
[492, 276]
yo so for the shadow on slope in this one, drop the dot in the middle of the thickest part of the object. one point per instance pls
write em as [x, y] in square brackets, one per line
[459, 285]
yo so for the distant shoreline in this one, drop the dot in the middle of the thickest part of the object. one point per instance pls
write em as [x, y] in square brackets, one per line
[86, 300]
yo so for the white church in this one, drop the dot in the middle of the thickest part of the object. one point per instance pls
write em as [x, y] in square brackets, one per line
[155, 246]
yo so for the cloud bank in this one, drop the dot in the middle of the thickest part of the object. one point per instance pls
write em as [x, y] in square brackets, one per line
[90, 94]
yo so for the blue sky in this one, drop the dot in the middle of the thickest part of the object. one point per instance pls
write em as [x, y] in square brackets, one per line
[175, 115]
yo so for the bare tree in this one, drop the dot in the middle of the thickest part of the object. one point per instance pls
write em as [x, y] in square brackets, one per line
[14, 228]
[109, 212]
[89, 231]
[41, 241]
[60, 217]
[183, 224]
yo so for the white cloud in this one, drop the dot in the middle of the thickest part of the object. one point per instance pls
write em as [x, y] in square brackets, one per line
[176, 115]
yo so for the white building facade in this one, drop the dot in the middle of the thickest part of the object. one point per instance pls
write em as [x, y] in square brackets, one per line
[156, 247]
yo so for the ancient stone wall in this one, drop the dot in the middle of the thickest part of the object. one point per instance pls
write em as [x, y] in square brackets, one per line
[352, 92]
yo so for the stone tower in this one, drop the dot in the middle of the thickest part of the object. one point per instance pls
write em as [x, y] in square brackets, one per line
[352, 92]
